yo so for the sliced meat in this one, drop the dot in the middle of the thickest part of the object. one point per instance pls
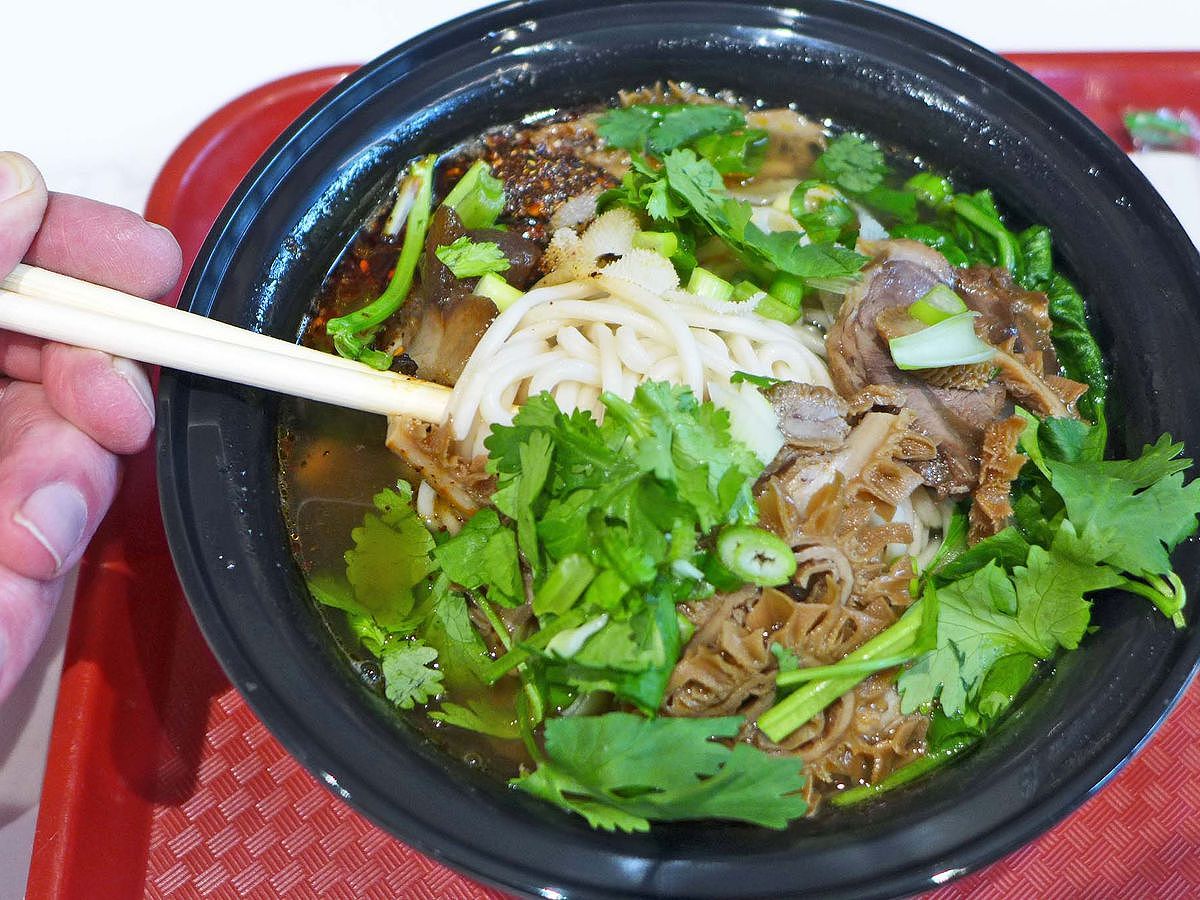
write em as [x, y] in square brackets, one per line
[991, 507]
[1008, 312]
[523, 255]
[463, 483]
[1046, 396]
[954, 418]
[811, 417]
[440, 337]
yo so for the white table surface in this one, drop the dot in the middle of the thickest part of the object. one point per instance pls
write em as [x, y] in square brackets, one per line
[100, 93]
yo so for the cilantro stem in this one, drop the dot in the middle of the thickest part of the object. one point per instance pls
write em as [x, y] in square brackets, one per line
[1169, 596]
[352, 333]
[495, 621]
[840, 669]
[800, 706]
[902, 776]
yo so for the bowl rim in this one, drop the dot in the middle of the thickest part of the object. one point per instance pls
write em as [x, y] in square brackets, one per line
[283, 714]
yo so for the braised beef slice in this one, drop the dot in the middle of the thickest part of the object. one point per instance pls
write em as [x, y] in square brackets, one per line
[954, 418]
[810, 416]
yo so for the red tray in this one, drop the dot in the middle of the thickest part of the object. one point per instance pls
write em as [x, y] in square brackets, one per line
[162, 783]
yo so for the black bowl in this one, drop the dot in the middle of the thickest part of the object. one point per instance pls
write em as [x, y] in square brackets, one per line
[896, 77]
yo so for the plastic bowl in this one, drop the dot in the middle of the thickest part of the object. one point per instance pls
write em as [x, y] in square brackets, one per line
[898, 78]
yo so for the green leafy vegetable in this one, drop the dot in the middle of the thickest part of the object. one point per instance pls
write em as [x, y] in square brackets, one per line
[408, 677]
[688, 190]
[1078, 352]
[1083, 524]
[466, 258]
[604, 516]
[478, 716]
[989, 615]
[622, 771]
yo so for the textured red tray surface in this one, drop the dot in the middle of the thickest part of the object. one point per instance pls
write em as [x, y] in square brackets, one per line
[162, 783]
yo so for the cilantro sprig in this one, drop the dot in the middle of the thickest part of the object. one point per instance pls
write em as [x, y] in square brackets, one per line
[1083, 524]
[601, 514]
[620, 771]
[466, 258]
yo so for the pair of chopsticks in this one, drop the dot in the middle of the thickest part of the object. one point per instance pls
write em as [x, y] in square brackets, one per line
[56, 307]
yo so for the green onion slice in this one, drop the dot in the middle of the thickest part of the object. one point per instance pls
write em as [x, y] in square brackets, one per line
[788, 289]
[664, 243]
[498, 291]
[755, 555]
[951, 342]
[707, 284]
[937, 304]
[770, 308]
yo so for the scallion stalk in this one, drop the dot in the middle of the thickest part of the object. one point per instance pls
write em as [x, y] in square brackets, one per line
[937, 304]
[1007, 250]
[770, 308]
[805, 702]
[498, 291]
[951, 342]
[352, 334]
[932, 190]
[788, 288]
[744, 290]
[756, 555]
[478, 198]
[709, 284]
[664, 243]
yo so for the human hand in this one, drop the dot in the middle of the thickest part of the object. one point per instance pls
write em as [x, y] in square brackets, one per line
[65, 412]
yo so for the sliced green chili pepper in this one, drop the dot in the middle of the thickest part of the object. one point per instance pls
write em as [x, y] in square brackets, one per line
[756, 556]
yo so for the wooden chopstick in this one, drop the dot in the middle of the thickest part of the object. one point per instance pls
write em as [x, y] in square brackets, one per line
[59, 308]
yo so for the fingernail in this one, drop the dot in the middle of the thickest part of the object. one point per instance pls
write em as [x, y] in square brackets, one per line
[158, 227]
[138, 380]
[16, 175]
[56, 515]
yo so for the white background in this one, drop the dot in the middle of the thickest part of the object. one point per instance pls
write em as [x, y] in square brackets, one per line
[99, 93]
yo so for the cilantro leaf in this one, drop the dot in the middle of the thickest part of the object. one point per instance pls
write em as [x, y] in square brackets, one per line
[462, 654]
[408, 678]
[1131, 513]
[484, 553]
[662, 128]
[621, 771]
[989, 615]
[853, 163]
[390, 557]
[602, 514]
[700, 185]
[479, 716]
[466, 258]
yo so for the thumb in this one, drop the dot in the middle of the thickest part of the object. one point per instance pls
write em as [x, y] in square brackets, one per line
[22, 205]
